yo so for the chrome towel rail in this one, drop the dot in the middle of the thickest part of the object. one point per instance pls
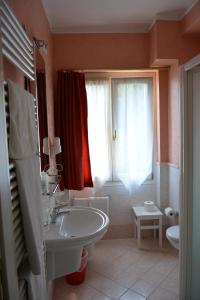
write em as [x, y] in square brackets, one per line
[16, 45]
[18, 48]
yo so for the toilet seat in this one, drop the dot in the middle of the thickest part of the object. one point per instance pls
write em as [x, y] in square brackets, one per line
[173, 232]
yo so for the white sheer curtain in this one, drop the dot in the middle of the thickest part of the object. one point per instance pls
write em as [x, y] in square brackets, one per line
[99, 130]
[132, 121]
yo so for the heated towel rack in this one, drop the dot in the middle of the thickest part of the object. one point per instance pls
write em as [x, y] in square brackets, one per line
[17, 224]
[17, 47]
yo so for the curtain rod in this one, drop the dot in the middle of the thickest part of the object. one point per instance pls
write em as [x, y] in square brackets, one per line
[116, 70]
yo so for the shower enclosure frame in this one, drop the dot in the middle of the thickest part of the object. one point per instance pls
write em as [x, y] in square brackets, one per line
[186, 203]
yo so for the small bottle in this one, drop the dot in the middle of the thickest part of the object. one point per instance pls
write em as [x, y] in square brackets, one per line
[43, 182]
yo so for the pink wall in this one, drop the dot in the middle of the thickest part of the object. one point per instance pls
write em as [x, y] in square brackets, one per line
[191, 22]
[101, 51]
[172, 44]
[153, 36]
[162, 117]
[174, 115]
[12, 73]
[167, 44]
[31, 14]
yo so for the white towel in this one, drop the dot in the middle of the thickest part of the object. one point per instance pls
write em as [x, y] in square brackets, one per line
[36, 285]
[80, 201]
[23, 146]
[101, 203]
[29, 187]
[23, 141]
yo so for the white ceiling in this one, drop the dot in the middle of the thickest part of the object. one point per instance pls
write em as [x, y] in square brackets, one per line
[87, 16]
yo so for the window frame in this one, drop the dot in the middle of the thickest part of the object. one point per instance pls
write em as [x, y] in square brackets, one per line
[118, 74]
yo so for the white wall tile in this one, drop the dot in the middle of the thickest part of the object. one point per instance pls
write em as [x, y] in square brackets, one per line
[121, 201]
[174, 187]
[164, 190]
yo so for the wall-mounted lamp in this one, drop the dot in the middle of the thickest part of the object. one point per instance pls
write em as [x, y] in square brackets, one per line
[52, 149]
[40, 44]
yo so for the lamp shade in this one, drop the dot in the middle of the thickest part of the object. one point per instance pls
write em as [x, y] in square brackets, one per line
[46, 148]
[51, 149]
[56, 146]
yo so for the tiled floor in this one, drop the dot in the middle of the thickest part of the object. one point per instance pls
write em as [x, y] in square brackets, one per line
[119, 270]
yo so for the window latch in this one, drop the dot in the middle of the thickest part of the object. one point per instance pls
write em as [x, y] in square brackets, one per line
[114, 135]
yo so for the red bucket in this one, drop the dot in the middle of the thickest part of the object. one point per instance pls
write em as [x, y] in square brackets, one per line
[79, 276]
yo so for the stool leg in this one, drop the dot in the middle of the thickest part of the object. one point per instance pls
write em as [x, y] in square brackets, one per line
[138, 233]
[160, 232]
[135, 229]
[154, 231]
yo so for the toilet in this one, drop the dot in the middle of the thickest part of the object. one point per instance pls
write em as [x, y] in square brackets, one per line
[173, 235]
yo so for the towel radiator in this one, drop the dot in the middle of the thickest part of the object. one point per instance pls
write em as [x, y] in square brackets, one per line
[18, 231]
[15, 46]
[16, 243]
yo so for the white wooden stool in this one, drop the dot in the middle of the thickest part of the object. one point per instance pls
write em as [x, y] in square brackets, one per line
[141, 214]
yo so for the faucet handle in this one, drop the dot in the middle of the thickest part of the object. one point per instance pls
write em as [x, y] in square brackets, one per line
[60, 206]
[56, 211]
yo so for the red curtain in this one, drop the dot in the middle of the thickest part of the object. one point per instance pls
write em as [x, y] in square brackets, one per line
[71, 127]
[42, 115]
[42, 111]
[27, 84]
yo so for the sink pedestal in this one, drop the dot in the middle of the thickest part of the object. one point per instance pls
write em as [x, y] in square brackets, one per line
[75, 228]
[64, 262]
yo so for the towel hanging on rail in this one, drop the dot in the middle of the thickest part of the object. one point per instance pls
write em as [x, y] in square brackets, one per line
[23, 140]
[23, 147]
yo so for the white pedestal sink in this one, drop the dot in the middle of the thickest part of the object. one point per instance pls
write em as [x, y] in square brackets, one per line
[75, 228]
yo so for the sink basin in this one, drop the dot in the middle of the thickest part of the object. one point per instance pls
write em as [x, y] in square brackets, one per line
[75, 227]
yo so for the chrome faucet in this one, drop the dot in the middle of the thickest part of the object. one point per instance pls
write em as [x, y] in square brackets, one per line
[57, 211]
[53, 189]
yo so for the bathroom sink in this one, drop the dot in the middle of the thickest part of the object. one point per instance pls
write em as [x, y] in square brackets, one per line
[75, 227]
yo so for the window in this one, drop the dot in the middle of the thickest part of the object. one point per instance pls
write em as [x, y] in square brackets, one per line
[120, 129]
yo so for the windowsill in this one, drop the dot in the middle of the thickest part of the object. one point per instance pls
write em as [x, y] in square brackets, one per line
[119, 183]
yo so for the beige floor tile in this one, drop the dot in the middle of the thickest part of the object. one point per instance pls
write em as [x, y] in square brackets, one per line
[165, 267]
[174, 273]
[103, 257]
[133, 256]
[171, 284]
[94, 296]
[131, 295]
[65, 291]
[100, 296]
[144, 264]
[114, 267]
[105, 285]
[143, 288]
[98, 266]
[109, 250]
[149, 244]
[124, 245]
[128, 277]
[119, 270]
[121, 264]
[118, 242]
[59, 282]
[117, 246]
[153, 277]
[162, 294]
